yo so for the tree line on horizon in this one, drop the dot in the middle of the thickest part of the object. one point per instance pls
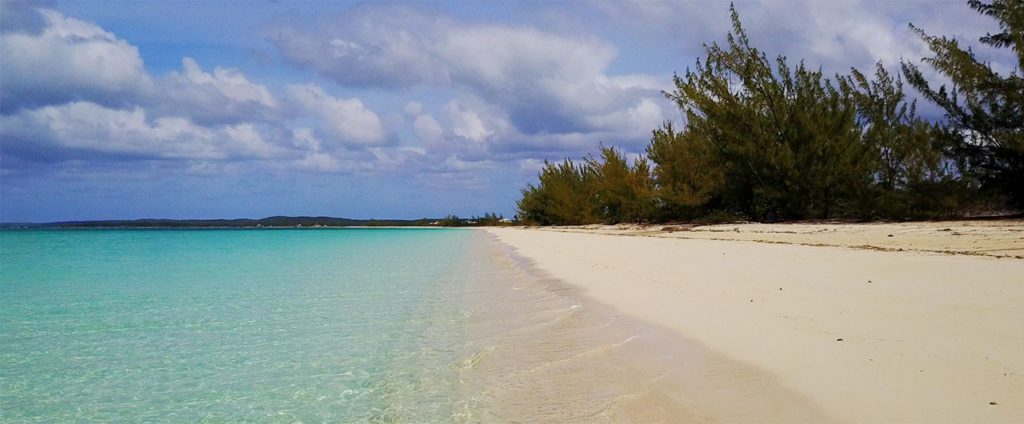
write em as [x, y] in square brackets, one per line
[769, 140]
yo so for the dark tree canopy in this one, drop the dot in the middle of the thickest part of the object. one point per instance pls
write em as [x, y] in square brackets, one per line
[984, 128]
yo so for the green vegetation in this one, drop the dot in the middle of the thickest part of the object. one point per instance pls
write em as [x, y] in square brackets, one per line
[609, 190]
[984, 128]
[771, 140]
[488, 220]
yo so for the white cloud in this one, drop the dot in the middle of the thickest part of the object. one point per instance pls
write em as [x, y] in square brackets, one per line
[348, 120]
[642, 82]
[466, 123]
[223, 95]
[246, 140]
[89, 98]
[837, 34]
[397, 158]
[73, 60]
[86, 126]
[377, 46]
[511, 91]
[427, 128]
[68, 60]
[72, 90]
[315, 158]
[413, 108]
[228, 82]
[638, 119]
[544, 82]
[530, 165]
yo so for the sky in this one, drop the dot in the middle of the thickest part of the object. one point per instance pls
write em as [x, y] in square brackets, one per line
[229, 109]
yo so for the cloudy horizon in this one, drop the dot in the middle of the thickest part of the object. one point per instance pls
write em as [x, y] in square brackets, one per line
[124, 110]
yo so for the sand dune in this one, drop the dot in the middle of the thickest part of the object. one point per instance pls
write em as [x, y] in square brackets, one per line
[864, 334]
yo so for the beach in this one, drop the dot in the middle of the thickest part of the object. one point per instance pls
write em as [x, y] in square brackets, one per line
[836, 322]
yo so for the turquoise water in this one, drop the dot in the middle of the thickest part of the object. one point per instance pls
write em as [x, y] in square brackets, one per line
[230, 325]
[314, 325]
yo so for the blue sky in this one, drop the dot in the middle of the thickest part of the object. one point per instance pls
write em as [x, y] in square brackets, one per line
[129, 109]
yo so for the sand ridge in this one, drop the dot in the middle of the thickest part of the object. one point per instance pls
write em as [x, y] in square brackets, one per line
[995, 238]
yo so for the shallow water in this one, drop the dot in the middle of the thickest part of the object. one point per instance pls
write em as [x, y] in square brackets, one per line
[379, 325]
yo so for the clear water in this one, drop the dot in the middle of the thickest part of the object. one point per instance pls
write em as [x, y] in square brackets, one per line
[314, 325]
[222, 325]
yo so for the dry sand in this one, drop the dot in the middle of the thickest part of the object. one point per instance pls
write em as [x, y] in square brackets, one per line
[999, 238]
[864, 334]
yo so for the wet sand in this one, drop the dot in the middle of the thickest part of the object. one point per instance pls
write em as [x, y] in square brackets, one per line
[540, 350]
[823, 333]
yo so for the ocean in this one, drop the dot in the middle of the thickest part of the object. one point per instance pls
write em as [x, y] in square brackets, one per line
[307, 325]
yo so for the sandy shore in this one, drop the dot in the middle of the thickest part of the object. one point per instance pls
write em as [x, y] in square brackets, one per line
[1004, 239]
[863, 333]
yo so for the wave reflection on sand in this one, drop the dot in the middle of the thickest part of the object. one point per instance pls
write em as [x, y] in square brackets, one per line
[538, 350]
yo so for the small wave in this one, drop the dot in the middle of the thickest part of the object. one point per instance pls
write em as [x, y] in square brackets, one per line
[586, 353]
[471, 362]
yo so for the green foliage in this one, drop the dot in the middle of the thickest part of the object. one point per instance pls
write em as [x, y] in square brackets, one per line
[623, 193]
[686, 175]
[768, 140]
[564, 195]
[488, 220]
[451, 221]
[984, 128]
[607, 190]
[785, 139]
[911, 179]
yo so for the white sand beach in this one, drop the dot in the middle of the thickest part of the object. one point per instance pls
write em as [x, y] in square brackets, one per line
[925, 325]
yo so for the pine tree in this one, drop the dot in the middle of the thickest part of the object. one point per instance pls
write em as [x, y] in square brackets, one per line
[785, 139]
[984, 109]
[623, 193]
[911, 179]
[686, 178]
[563, 196]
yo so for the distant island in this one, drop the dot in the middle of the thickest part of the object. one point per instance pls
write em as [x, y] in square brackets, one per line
[488, 219]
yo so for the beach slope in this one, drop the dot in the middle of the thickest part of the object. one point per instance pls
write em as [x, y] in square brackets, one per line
[864, 334]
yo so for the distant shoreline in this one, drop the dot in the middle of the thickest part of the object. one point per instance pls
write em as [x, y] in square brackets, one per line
[268, 222]
[279, 221]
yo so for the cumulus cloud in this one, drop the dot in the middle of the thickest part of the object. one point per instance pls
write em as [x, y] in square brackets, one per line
[376, 47]
[520, 86]
[427, 128]
[315, 157]
[544, 82]
[66, 60]
[347, 121]
[642, 117]
[836, 34]
[413, 108]
[467, 123]
[90, 127]
[71, 90]
[223, 95]
[492, 92]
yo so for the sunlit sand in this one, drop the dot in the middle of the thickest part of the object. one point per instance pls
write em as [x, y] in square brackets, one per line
[863, 334]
